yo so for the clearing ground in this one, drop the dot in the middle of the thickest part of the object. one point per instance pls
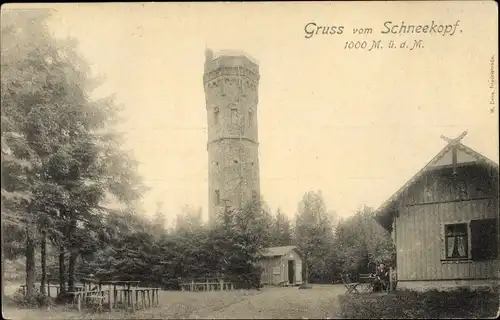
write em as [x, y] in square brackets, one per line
[284, 303]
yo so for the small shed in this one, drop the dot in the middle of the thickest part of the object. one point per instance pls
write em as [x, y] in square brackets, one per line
[281, 266]
[444, 221]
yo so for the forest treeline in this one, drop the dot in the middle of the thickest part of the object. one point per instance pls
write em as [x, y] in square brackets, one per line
[63, 161]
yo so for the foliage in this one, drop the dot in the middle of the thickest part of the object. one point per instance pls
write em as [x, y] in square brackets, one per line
[332, 246]
[159, 220]
[281, 230]
[60, 154]
[314, 236]
[422, 305]
[129, 250]
[360, 240]
[36, 300]
[189, 219]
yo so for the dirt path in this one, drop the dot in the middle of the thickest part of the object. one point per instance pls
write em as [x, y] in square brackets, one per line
[283, 303]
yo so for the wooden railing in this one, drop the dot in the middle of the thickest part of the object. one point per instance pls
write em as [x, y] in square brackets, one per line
[48, 288]
[206, 284]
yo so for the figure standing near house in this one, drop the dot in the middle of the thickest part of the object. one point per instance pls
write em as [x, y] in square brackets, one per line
[382, 276]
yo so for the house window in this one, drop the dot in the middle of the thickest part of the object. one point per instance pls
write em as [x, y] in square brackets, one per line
[457, 241]
[461, 190]
[431, 190]
[217, 197]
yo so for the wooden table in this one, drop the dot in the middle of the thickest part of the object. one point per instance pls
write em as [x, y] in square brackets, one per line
[364, 284]
[145, 297]
[127, 292]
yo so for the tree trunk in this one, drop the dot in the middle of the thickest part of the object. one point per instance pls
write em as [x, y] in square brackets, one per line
[72, 270]
[62, 271]
[306, 269]
[43, 253]
[73, 254]
[3, 259]
[30, 265]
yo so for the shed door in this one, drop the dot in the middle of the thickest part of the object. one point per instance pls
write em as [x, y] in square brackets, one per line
[298, 270]
[291, 271]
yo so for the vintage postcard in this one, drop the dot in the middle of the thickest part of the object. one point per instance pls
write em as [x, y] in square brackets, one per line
[250, 160]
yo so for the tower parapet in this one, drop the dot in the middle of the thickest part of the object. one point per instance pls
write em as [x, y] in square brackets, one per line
[236, 63]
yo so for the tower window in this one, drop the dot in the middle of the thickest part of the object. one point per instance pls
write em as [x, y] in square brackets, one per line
[216, 115]
[254, 195]
[217, 197]
[235, 161]
[250, 118]
[234, 116]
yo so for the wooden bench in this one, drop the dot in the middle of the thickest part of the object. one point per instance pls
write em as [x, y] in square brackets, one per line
[366, 282]
[95, 297]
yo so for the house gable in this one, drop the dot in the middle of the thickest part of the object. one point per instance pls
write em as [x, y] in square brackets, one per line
[454, 155]
[462, 157]
[444, 221]
[446, 184]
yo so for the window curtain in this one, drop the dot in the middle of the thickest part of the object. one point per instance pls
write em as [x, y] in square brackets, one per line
[460, 245]
[457, 246]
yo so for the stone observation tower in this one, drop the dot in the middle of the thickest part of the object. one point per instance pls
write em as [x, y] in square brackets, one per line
[231, 81]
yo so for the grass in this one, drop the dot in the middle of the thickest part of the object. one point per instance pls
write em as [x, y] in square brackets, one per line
[173, 305]
[269, 303]
[422, 305]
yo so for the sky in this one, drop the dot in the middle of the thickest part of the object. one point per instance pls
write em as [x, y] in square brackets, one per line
[355, 124]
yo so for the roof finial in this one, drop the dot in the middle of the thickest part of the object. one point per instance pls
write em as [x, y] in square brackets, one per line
[456, 140]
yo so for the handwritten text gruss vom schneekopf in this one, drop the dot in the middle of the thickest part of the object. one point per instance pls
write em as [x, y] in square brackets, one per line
[313, 29]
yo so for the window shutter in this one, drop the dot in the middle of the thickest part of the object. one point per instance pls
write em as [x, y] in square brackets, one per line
[484, 241]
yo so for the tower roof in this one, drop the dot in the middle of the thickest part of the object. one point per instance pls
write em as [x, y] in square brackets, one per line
[234, 53]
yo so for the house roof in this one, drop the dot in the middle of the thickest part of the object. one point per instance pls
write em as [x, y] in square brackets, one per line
[278, 251]
[464, 155]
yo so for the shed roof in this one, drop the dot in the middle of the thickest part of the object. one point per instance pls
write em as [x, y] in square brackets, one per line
[278, 251]
[384, 215]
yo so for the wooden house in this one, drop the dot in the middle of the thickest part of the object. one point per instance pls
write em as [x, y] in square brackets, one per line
[445, 222]
[281, 266]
